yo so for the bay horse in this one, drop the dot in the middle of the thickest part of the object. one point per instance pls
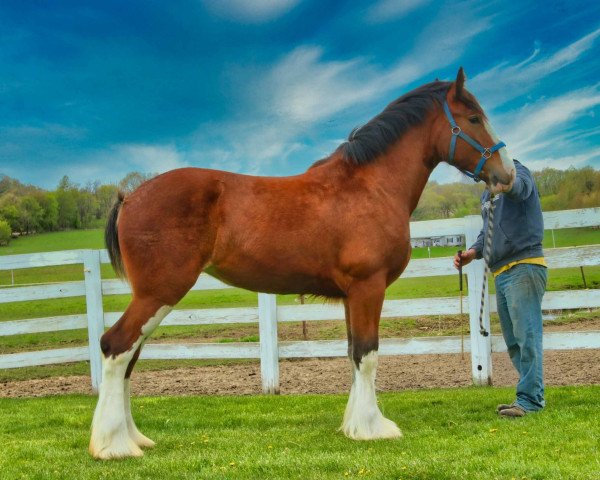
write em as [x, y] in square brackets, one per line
[340, 230]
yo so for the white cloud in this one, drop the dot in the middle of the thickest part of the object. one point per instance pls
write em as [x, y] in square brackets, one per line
[304, 89]
[563, 162]
[150, 158]
[388, 10]
[250, 11]
[445, 173]
[506, 81]
[244, 146]
[534, 126]
[45, 130]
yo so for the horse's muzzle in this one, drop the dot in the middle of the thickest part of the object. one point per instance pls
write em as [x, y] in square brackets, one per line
[502, 181]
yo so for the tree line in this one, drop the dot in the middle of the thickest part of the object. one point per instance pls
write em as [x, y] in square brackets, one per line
[558, 190]
[26, 209]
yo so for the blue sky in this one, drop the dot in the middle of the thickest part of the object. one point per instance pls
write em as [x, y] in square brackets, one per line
[96, 89]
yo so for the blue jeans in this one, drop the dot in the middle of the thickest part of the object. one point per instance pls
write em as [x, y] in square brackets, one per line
[519, 293]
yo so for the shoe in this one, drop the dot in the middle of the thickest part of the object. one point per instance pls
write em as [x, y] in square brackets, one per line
[513, 412]
[504, 406]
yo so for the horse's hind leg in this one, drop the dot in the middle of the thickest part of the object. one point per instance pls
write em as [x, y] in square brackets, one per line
[114, 434]
[362, 419]
[138, 437]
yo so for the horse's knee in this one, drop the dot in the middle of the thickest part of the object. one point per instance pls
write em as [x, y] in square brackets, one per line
[105, 345]
[115, 342]
[136, 324]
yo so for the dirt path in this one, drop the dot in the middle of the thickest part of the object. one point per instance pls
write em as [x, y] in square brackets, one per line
[332, 375]
[324, 376]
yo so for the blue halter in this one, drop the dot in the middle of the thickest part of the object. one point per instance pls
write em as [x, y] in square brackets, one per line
[486, 153]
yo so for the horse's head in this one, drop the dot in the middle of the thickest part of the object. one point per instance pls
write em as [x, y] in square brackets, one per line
[468, 141]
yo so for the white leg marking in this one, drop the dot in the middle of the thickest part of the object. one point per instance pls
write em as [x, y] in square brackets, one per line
[154, 321]
[110, 436]
[363, 420]
[140, 439]
[114, 435]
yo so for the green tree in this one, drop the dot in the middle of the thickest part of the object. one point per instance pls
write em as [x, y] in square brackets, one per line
[9, 210]
[30, 214]
[86, 207]
[133, 180]
[49, 204]
[66, 196]
[5, 232]
[549, 181]
[105, 198]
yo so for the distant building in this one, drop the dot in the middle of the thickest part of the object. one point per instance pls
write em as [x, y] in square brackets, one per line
[442, 241]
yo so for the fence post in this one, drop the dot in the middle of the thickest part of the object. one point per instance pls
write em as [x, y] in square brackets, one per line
[95, 312]
[269, 351]
[481, 347]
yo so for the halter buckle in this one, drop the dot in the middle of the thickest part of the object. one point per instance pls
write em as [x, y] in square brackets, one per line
[486, 153]
[455, 130]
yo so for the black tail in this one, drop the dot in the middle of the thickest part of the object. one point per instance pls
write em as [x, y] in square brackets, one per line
[111, 238]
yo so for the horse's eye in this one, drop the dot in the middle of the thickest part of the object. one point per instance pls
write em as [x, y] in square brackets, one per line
[474, 119]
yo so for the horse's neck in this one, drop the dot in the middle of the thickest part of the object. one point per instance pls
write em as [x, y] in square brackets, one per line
[404, 169]
[401, 173]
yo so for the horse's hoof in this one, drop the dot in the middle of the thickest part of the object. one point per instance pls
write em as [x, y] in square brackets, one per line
[379, 428]
[142, 440]
[116, 450]
[388, 429]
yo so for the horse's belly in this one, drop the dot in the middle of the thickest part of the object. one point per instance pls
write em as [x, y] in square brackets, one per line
[276, 281]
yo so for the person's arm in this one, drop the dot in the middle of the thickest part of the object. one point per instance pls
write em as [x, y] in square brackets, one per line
[475, 252]
[465, 258]
[522, 186]
[478, 246]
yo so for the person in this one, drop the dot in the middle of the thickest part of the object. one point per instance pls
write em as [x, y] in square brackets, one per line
[517, 262]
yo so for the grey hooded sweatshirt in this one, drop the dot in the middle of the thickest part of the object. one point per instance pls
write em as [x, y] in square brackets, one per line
[518, 222]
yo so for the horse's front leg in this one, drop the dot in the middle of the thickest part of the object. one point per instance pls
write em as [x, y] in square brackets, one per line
[363, 420]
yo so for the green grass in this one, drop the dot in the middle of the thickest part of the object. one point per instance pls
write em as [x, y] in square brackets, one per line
[448, 434]
[55, 241]
[571, 237]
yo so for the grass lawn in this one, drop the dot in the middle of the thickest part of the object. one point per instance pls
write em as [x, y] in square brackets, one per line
[55, 241]
[448, 434]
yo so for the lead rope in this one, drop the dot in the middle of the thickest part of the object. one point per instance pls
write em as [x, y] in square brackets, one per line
[486, 256]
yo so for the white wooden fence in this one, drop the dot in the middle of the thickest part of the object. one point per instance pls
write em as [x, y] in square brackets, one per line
[268, 314]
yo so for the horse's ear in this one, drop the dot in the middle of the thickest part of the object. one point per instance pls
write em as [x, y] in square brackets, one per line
[459, 84]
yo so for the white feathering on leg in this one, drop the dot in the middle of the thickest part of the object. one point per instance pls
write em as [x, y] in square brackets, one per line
[114, 434]
[139, 438]
[363, 420]
[110, 436]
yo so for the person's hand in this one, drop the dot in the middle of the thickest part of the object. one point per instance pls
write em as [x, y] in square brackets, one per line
[465, 258]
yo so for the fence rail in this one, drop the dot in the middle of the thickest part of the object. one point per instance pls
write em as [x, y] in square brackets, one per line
[268, 314]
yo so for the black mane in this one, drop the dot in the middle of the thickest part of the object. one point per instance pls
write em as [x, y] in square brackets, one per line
[371, 140]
